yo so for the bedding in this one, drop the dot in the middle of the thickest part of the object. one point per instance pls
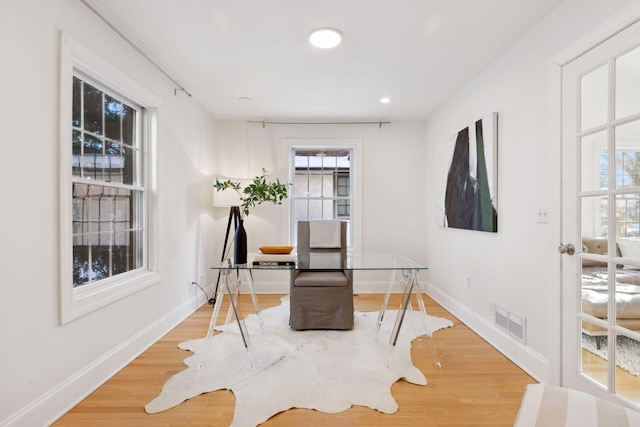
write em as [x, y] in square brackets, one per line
[595, 293]
[595, 285]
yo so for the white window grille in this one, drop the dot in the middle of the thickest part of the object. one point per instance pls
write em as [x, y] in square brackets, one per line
[325, 185]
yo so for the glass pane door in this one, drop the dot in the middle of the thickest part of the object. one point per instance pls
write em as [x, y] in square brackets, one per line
[601, 212]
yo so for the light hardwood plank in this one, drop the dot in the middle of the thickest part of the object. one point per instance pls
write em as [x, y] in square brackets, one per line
[475, 386]
[627, 384]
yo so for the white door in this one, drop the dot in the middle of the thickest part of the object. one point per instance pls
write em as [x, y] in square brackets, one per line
[601, 219]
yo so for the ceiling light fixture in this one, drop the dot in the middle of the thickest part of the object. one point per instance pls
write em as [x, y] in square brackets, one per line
[325, 38]
[385, 100]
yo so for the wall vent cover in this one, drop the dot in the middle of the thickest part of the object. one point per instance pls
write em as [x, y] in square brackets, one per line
[512, 323]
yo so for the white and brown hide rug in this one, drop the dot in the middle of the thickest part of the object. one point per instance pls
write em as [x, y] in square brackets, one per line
[324, 370]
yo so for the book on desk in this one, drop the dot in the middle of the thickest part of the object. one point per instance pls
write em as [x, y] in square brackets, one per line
[274, 260]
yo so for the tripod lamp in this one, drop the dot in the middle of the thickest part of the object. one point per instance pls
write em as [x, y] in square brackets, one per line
[228, 198]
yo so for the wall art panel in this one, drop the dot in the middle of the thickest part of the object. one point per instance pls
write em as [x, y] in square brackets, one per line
[470, 193]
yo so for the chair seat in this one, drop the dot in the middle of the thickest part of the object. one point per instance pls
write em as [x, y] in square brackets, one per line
[321, 278]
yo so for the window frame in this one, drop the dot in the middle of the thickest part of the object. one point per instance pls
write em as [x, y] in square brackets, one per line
[355, 145]
[79, 301]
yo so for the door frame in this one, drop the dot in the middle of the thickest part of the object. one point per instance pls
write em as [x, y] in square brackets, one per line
[612, 26]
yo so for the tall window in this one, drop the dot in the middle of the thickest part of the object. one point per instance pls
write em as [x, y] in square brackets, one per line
[322, 184]
[107, 188]
[107, 139]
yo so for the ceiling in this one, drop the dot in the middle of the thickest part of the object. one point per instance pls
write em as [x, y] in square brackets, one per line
[419, 53]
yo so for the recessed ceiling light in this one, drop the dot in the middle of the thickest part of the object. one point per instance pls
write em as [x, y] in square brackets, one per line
[385, 100]
[325, 38]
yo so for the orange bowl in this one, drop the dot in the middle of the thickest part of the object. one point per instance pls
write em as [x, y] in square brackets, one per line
[276, 249]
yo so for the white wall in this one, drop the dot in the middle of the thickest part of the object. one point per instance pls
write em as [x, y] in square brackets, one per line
[393, 189]
[512, 268]
[46, 367]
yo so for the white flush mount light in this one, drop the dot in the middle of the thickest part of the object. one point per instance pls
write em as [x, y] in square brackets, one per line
[385, 100]
[325, 38]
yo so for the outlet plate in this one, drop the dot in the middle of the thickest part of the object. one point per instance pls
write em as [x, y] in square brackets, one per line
[468, 280]
[543, 215]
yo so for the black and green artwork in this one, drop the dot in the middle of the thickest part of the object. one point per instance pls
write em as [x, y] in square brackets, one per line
[470, 200]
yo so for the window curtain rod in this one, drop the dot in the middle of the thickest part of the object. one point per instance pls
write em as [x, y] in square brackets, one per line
[264, 123]
[180, 88]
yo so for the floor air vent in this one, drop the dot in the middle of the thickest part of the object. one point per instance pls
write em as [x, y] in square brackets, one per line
[511, 323]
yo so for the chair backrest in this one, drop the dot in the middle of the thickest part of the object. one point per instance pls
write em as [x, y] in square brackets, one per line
[304, 239]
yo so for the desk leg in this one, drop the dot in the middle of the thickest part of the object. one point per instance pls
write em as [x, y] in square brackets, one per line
[383, 308]
[408, 288]
[385, 301]
[406, 295]
[423, 316]
[232, 291]
[404, 283]
[254, 297]
[214, 318]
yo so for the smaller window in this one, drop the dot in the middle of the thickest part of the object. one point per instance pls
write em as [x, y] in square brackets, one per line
[322, 184]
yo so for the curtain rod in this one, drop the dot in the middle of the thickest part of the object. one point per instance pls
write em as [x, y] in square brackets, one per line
[264, 123]
[180, 88]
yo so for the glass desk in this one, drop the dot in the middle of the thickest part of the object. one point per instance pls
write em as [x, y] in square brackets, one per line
[403, 270]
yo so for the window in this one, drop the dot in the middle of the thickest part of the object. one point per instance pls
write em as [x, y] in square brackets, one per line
[321, 184]
[324, 185]
[107, 188]
[627, 205]
[106, 142]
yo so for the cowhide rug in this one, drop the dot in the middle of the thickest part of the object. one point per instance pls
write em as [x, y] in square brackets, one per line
[324, 370]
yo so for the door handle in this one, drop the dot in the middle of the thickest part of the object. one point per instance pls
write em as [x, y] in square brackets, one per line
[568, 249]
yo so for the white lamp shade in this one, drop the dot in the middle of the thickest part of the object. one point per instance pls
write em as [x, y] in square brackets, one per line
[228, 197]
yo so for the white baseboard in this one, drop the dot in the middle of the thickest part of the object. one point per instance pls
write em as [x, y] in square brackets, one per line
[526, 358]
[60, 399]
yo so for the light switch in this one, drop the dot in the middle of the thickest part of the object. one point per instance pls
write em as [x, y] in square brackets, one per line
[543, 215]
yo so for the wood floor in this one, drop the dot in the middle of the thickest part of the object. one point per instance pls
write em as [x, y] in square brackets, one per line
[627, 384]
[476, 386]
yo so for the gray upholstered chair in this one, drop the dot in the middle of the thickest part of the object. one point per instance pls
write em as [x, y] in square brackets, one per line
[321, 297]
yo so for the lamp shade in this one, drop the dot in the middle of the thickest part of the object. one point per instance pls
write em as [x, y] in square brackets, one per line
[228, 197]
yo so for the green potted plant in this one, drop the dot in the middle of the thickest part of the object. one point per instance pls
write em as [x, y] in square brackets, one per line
[257, 192]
